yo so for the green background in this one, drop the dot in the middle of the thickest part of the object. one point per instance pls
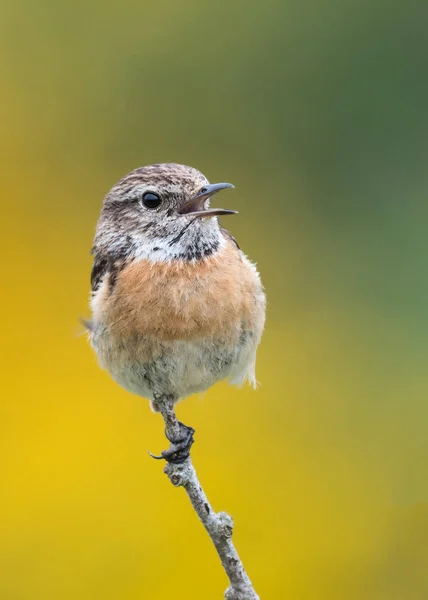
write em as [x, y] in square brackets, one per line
[317, 112]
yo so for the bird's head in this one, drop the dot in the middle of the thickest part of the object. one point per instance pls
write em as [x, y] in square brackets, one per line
[161, 212]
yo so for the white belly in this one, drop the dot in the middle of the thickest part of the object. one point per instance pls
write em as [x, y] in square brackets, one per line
[181, 367]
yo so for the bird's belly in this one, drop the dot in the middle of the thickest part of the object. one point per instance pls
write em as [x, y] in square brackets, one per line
[176, 368]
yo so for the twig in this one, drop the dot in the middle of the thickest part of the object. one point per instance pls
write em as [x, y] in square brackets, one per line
[218, 525]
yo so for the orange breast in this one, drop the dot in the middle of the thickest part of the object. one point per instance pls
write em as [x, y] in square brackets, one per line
[183, 300]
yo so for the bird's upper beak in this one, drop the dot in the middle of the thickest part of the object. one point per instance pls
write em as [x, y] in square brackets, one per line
[195, 207]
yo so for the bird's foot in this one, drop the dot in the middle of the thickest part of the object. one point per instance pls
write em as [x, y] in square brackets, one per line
[180, 446]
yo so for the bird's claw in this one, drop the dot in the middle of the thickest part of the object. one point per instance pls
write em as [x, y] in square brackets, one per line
[179, 449]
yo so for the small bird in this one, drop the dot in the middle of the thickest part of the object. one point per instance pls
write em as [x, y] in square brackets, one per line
[176, 305]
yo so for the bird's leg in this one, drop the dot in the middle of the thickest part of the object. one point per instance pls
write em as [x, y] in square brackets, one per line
[180, 435]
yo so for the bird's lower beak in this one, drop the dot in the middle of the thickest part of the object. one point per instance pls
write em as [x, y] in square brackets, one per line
[195, 207]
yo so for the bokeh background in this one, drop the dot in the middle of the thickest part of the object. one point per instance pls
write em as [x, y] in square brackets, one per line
[317, 112]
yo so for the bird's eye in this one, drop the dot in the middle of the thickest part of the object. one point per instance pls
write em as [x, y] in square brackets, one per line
[150, 200]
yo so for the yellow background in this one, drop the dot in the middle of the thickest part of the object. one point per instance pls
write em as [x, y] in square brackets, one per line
[317, 112]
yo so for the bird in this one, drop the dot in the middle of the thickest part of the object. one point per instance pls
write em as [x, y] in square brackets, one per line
[176, 304]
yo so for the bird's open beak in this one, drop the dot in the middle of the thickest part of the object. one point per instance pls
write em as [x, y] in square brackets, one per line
[195, 207]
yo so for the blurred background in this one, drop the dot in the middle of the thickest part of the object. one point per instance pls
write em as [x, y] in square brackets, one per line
[317, 112]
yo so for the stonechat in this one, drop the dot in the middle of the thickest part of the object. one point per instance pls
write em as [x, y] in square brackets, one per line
[176, 304]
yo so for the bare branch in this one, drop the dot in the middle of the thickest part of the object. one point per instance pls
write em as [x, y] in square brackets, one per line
[218, 525]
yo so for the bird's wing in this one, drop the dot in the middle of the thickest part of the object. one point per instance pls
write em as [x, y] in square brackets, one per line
[99, 270]
[229, 236]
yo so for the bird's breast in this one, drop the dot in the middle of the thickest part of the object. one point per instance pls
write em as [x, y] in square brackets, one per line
[214, 297]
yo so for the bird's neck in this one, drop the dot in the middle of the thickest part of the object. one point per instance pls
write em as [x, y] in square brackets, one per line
[194, 241]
